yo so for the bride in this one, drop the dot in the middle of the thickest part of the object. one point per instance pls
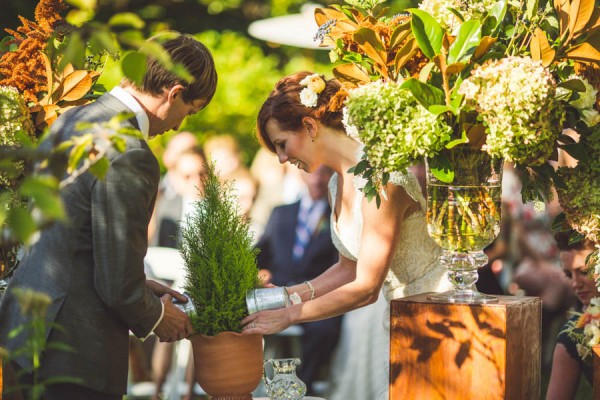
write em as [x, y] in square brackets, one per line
[386, 247]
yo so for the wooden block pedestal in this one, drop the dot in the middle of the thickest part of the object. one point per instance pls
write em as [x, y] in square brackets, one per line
[464, 351]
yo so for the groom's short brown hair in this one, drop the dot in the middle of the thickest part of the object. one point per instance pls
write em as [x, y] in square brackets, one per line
[198, 62]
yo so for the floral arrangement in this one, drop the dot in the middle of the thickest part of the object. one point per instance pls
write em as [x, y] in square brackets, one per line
[513, 79]
[502, 76]
[585, 330]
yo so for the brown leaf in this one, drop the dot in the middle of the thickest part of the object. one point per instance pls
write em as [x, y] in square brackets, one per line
[49, 74]
[476, 135]
[562, 9]
[405, 53]
[540, 48]
[351, 73]
[455, 68]
[582, 14]
[368, 41]
[484, 46]
[342, 23]
[585, 52]
[594, 22]
[76, 85]
[399, 35]
[46, 115]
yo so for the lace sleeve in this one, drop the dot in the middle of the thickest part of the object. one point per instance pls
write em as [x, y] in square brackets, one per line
[409, 182]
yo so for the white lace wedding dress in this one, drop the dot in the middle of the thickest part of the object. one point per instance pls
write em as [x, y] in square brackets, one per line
[415, 269]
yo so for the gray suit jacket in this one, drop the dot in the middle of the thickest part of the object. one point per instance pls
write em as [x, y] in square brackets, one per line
[92, 266]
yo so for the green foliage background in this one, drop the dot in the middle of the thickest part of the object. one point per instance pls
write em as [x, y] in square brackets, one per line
[247, 67]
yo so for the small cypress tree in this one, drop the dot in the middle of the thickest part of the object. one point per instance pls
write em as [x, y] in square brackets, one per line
[220, 260]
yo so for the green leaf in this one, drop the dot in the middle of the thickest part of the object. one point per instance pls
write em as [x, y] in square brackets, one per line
[21, 223]
[427, 32]
[558, 221]
[181, 71]
[441, 168]
[494, 18]
[437, 109]
[74, 52]
[463, 139]
[128, 19]
[575, 237]
[467, 40]
[134, 67]
[425, 94]
[532, 9]
[100, 168]
[574, 85]
[83, 4]
[575, 150]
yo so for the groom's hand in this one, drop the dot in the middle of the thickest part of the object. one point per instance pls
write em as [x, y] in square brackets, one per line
[175, 324]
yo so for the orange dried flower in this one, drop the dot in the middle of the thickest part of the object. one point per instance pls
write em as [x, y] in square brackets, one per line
[24, 68]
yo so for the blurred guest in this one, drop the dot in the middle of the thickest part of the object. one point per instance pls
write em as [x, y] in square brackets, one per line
[246, 189]
[296, 247]
[567, 364]
[224, 152]
[179, 143]
[172, 205]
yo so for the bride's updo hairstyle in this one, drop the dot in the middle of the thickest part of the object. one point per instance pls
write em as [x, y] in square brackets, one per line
[284, 106]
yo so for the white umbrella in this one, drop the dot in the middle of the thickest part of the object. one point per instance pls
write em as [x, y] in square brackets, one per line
[292, 30]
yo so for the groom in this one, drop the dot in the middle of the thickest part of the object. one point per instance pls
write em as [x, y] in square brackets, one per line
[92, 266]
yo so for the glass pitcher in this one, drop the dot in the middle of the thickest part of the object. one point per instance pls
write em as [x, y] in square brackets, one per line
[285, 384]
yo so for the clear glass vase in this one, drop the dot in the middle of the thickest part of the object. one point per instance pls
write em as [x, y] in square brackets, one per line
[463, 217]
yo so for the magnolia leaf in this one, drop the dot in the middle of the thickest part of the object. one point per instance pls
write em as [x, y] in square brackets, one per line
[60, 76]
[574, 85]
[425, 94]
[368, 41]
[399, 35]
[133, 65]
[484, 45]
[494, 18]
[584, 14]
[78, 151]
[594, 22]
[558, 222]
[455, 68]
[562, 9]
[467, 41]
[47, 115]
[427, 31]
[540, 48]
[575, 150]
[476, 135]
[43, 190]
[74, 87]
[575, 237]
[49, 73]
[437, 109]
[156, 51]
[128, 19]
[426, 71]
[585, 52]
[405, 53]
[342, 24]
[351, 73]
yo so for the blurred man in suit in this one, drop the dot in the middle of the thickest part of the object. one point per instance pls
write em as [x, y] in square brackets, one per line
[92, 267]
[296, 247]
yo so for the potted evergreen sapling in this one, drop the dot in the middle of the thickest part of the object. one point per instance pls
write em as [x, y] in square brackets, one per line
[220, 263]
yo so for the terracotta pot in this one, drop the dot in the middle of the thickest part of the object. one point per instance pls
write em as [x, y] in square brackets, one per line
[228, 366]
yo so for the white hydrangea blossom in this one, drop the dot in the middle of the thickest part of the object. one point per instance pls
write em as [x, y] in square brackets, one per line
[440, 10]
[515, 99]
[395, 129]
[14, 116]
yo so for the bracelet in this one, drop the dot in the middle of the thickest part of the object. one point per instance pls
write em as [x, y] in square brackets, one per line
[312, 289]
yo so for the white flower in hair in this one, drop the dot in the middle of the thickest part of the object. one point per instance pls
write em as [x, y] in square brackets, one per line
[314, 85]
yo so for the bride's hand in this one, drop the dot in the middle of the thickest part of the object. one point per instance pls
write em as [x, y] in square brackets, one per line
[266, 322]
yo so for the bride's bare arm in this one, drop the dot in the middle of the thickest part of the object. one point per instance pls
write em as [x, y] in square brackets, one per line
[336, 290]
